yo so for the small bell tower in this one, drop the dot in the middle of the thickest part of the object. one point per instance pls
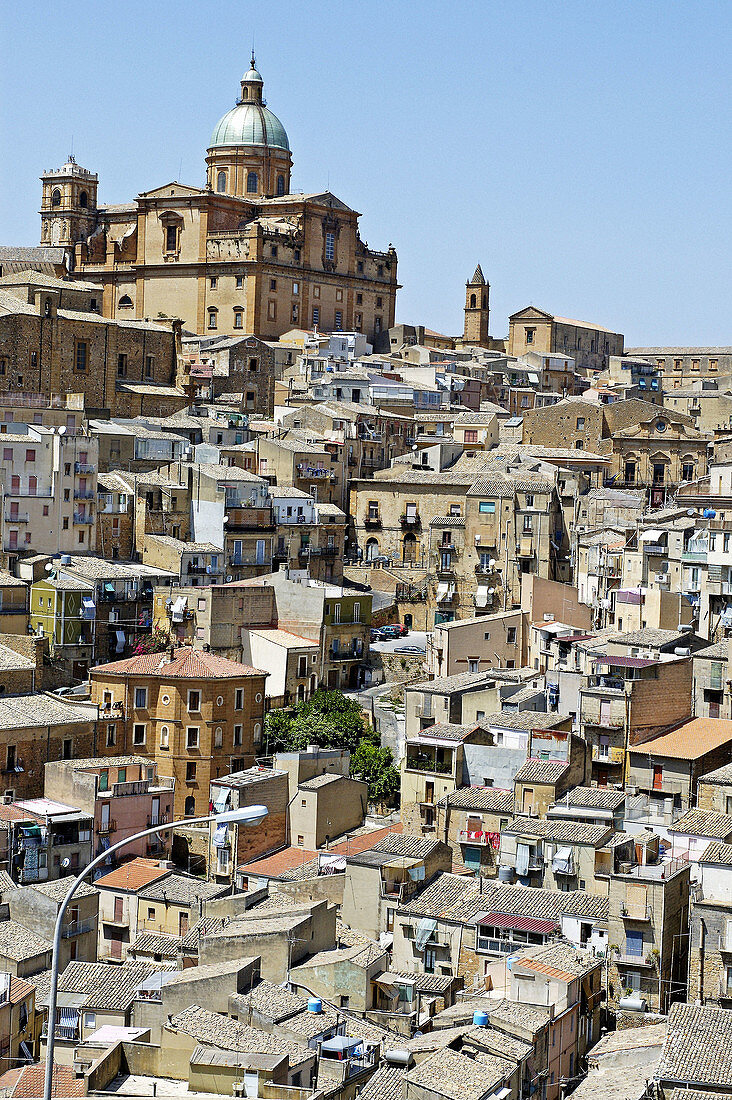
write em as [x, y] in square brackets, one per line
[477, 292]
[68, 204]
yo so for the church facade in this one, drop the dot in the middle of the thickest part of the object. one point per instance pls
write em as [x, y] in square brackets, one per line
[241, 255]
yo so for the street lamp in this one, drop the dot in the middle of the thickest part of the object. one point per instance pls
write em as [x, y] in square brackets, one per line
[247, 815]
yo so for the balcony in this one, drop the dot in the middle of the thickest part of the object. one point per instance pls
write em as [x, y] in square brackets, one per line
[83, 517]
[694, 555]
[317, 473]
[157, 819]
[430, 764]
[77, 928]
[372, 521]
[484, 570]
[410, 520]
[17, 517]
[471, 836]
[601, 755]
[84, 494]
[346, 654]
[634, 961]
[249, 519]
[105, 828]
[237, 560]
[655, 549]
[638, 913]
[84, 468]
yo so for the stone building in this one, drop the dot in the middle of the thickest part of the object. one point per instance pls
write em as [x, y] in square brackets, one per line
[54, 341]
[710, 932]
[590, 345]
[241, 255]
[200, 716]
[679, 367]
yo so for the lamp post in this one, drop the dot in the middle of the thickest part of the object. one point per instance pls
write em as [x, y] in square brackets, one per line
[248, 815]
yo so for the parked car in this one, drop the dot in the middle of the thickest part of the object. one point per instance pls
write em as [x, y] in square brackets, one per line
[409, 649]
[377, 636]
[394, 630]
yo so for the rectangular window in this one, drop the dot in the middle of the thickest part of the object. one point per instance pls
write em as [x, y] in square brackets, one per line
[171, 238]
[487, 507]
[511, 635]
[316, 315]
[192, 737]
[111, 735]
[213, 282]
[238, 735]
[80, 360]
[529, 334]
[338, 321]
[190, 772]
[138, 735]
[149, 366]
[239, 699]
[239, 282]
[471, 435]
[271, 310]
[194, 700]
[238, 319]
[273, 284]
[330, 246]
[212, 322]
[30, 455]
[141, 698]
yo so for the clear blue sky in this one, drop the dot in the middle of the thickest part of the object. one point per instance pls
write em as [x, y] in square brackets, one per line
[580, 151]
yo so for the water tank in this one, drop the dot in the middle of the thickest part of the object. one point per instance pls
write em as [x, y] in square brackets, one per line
[505, 874]
[480, 1018]
[66, 559]
[315, 1005]
[397, 1057]
[709, 513]
[632, 1004]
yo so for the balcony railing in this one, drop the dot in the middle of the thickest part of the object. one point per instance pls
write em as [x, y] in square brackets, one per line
[245, 519]
[84, 494]
[27, 493]
[77, 928]
[423, 764]
[83, 517]
[235, 559]
[17, 517]
[157, 819]
[372, 521]
[107, 827]
[609, 756]
[84, 468]
[346, 654]
[410, 519]
[470, 836]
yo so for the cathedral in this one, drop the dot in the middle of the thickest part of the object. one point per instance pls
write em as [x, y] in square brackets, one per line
[241, 255]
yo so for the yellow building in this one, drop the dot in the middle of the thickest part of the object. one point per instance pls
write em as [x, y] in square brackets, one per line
[590, 345]
[242, 254]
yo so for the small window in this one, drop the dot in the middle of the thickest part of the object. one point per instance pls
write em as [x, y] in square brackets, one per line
[212, 319]
[239, 699]
[171, 238]
[280, 185]
[238, 319]
[238, 730]
[487, 507]
[273, 284]
[30, 455]
[213, 282]
[141, 698]
[138, 735]
[80, 358]
[164, 737]
[194, 700]
[56, 197]
[316, 315]
[252, 183]
[330, 246]
[221, 182]
[190, 772]
[192, 737]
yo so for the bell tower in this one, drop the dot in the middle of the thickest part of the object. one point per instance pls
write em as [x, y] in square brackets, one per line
[68, 204]
[477, 292]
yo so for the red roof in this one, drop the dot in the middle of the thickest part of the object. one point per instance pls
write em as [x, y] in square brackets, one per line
[187, 664]
[19, 989]
[518, 923]
[133, 876]
[361, 843]
[286, 860]
[65, 1081]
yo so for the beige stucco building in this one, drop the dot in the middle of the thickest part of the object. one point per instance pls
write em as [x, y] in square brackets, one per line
[241, 254]
[590, 345]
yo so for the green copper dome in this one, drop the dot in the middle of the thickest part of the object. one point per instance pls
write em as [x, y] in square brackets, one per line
[250, 124]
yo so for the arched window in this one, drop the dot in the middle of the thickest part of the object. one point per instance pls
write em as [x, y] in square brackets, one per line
[213, 318]
[280, 185]
[83, 199]
[245, 93]
[372, 549]
[56, 198]
[221, 181]
[125, 301]
[472, 301]
[252, 183]
[189, 809]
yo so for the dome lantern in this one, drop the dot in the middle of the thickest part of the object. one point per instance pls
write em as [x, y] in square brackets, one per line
[251, 85]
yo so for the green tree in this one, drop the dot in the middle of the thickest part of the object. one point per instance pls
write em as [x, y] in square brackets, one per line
[375, 764]
[328, 719]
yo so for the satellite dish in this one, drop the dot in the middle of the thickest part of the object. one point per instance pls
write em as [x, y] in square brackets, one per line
[62, 430]
[65, 863]
[48, 566]
[226, 519]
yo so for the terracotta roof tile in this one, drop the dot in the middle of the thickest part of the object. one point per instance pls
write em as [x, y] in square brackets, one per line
[187, 663]
[65, 1081]
[132, 876]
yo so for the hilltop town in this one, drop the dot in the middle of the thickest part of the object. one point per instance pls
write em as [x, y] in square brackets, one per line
[380, 677]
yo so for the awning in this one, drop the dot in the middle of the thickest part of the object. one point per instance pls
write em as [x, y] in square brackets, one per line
[563, 862]
[88, 608]
[222, 802]
[331, 864]
[221, 836]
[629, 596]
[481, 596]
[109, 588]
[442, 588]
[425, 928]
[517, 922]
[526, 549]
[120, 641]
[651, 536]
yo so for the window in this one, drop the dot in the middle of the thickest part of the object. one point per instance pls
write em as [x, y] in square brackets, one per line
[141, 698]
[149, 366]
[213, 282]
[529, 335]
[339, 320]
[164, 737]
[280, 185]
[379, 303]
[359, 267]
[238, 319]
[579, 445]
[473, 664]
[30, 455]
[239, 699]
[212, 318]
[487, 507]
[190, 772]
[339, 296]
[221, 182]
[359, 299]
[357, 612]
[511, 635]
[138, 734]
[90, 1020]
[273, 251]
[316, 315]
[471, 435]
[378, 321]
[239, 282]
[56, 197]
[252, 183]
[111, 735]
[171, 238]
[687, 471]
[194, 700]
[121, 365]
[80, 357]
[238, 730]
[271, 310]
[192, 737]
[330, 246]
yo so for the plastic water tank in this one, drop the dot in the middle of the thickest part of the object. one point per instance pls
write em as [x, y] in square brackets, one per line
[506, 874]
[480, 1018]
[632, 1004]
[315, 1005]
[66, 559]
[709, 513]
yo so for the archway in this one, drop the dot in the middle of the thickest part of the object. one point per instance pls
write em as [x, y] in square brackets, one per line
[189, 809]
[409, 549]
[372, 549]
